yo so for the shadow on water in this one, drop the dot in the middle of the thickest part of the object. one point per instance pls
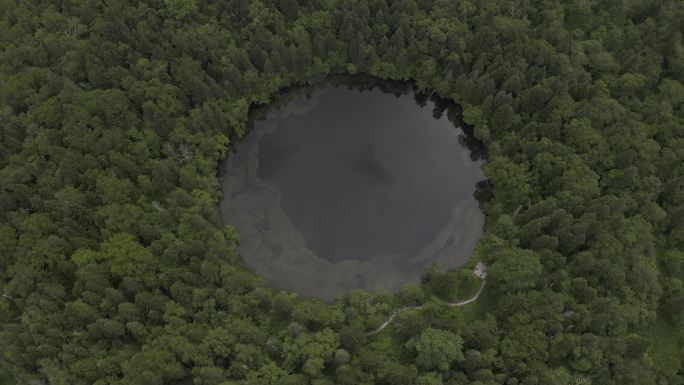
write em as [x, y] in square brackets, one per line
[362, 82]
[369, 165]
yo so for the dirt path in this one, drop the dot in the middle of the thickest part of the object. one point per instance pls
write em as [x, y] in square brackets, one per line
[469, 300]
[401, 309]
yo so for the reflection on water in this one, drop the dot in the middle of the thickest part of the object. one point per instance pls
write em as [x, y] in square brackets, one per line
[353, 184]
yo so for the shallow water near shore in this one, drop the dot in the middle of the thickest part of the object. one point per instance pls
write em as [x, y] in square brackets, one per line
[352, 185]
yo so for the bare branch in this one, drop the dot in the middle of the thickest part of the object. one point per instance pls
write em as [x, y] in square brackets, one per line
[182, 153]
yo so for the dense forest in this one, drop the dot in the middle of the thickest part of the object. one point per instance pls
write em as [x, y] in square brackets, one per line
[116, 267]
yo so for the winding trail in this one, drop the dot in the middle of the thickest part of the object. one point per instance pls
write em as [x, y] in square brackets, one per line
[401, 309]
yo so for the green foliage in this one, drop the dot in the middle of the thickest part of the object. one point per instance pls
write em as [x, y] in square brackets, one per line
[436, 349]
[516, 269]
[115, 266]
[180, 8]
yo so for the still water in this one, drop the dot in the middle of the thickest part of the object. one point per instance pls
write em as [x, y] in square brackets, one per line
[353, 185]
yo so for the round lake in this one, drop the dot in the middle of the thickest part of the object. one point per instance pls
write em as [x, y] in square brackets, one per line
[352, 186]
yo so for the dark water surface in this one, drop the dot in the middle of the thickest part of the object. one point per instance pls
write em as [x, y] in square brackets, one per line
[341, 187]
